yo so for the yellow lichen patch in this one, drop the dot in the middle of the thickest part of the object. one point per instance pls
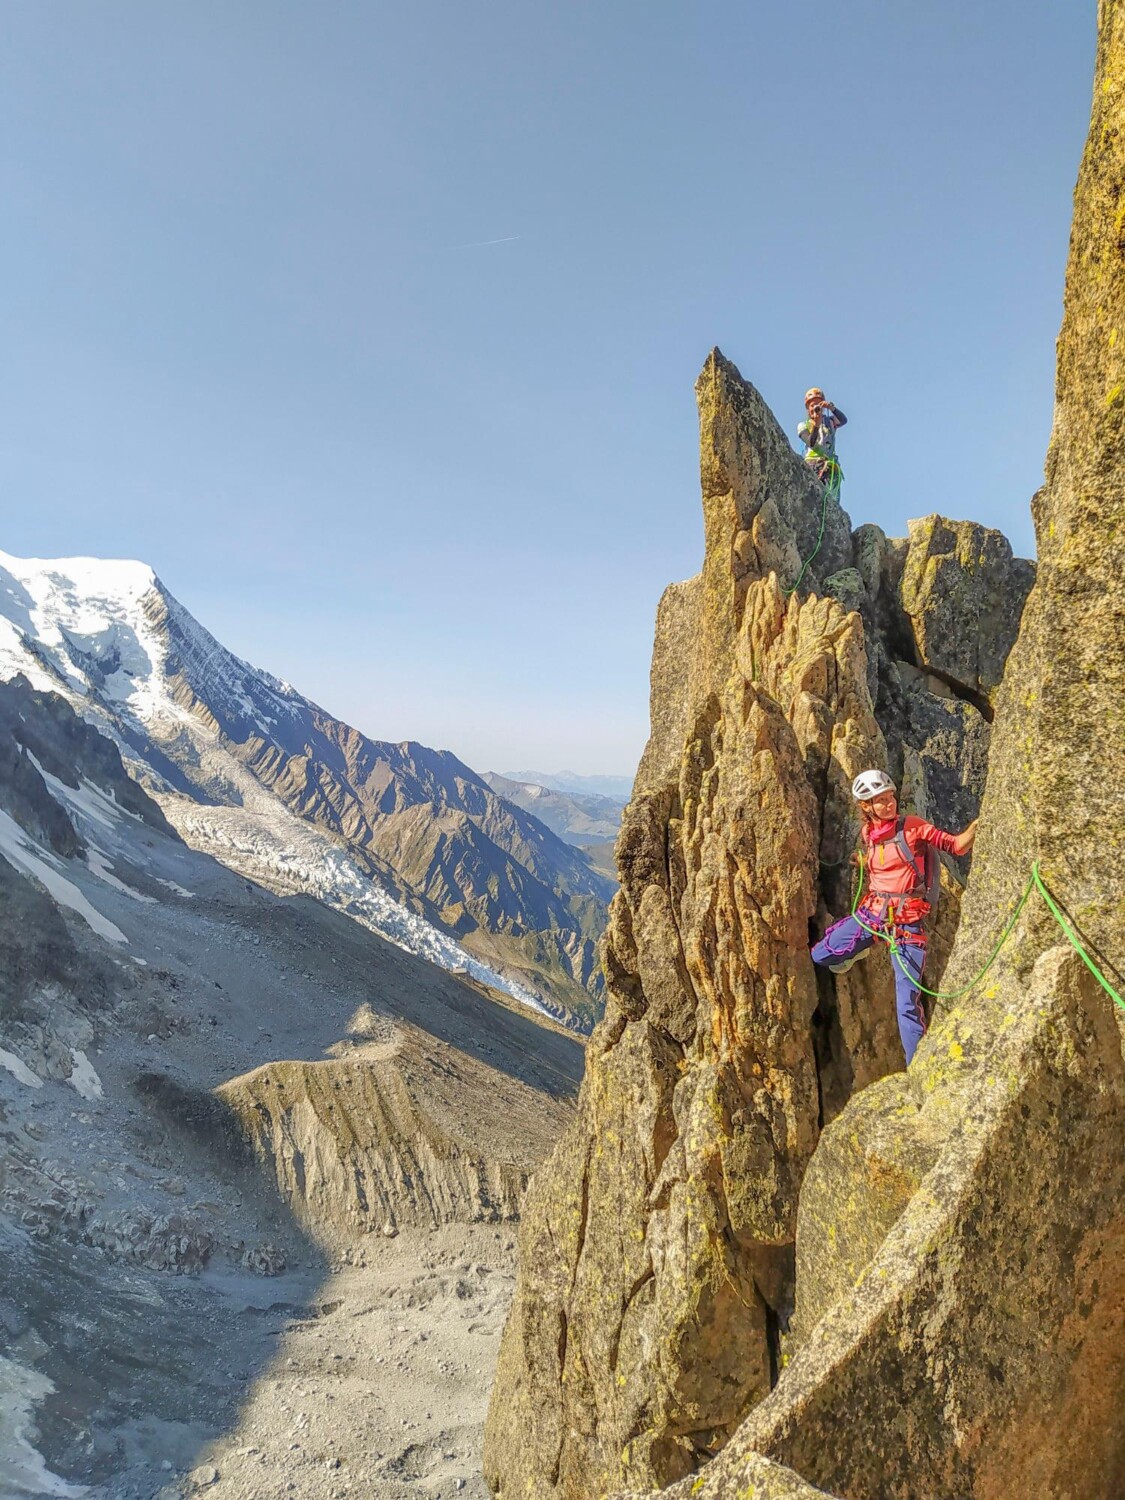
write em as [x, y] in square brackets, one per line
[1115, 395]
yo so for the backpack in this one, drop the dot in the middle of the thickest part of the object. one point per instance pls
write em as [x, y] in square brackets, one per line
[929, 876]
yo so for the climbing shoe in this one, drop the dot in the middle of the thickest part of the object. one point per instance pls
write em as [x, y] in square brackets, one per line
[849, 963]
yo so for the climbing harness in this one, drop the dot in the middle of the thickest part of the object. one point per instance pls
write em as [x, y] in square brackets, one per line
[831, 477]
[1035, 883]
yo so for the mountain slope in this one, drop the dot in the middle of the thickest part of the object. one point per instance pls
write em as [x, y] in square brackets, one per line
[212, 1099]
[407, 839]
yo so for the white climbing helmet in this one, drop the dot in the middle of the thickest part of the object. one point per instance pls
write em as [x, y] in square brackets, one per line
[870, 784]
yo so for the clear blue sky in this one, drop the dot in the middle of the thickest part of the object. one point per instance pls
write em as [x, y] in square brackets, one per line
[250, 336]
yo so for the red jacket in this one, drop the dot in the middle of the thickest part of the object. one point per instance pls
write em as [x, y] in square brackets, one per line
[888, 872]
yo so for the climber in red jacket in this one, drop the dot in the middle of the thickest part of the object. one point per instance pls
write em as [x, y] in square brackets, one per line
[901, 857]
[818, 433]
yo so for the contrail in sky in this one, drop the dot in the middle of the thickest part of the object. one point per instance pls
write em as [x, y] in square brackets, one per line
[480, 244]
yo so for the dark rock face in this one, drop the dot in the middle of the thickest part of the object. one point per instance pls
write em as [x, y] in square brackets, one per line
[941, 611]
[36, 951]
[658, 1242]
[960, 1295]
[963, 593]
[40, 734]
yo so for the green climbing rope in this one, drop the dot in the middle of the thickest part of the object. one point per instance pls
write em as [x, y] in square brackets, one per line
[1034, 883]
[833, 479]
[1072, 937]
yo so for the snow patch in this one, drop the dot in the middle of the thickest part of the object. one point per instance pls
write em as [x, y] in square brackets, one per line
[83, 1077]
[99, 865]
[88, 619]
[20, 850]
[87, 800]
[21, 1071]
[172, 886]
[23, 1470]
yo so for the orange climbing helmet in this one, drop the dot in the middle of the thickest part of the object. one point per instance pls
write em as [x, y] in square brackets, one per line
[815, 394]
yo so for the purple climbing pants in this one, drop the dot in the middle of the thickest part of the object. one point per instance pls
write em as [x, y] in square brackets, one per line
[847, 940]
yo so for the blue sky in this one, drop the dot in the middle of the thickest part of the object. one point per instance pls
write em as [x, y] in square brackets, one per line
[250, 334]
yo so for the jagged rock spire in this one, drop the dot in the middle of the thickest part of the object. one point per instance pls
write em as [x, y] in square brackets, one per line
[657, 1244]
[961, 1230]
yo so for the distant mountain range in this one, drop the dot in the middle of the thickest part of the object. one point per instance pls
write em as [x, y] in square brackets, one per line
[579, 819]
[406, 839]
[616, 788]
[587, 820]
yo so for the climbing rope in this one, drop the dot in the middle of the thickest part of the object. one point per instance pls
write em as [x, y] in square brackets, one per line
[832, 480]
[1035, 883]
[1072, 937]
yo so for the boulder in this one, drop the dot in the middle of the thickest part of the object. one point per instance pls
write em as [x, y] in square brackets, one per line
[963, 593]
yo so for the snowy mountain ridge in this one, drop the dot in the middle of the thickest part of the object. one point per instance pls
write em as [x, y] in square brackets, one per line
[94, 626]
[408, 841]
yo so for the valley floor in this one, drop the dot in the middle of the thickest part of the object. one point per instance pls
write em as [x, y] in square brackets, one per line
[377, 1387]
[177, 1317]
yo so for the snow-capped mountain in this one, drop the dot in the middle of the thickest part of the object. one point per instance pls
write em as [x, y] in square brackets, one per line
[408, 840]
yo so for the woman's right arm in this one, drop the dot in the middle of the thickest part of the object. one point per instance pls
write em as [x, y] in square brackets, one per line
[963, 842]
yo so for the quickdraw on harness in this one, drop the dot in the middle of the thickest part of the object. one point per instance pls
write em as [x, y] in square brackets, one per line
[896, 921]
[831, 478]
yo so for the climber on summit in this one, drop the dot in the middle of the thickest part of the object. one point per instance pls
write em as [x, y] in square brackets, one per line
[818, 434]
[901, 856]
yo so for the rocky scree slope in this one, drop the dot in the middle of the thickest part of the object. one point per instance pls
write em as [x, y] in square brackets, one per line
[960, 1296]
[405, 838]
[657, 1244]
[167, 1030]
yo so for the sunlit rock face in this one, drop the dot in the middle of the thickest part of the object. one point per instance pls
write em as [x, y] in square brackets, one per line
[657, 1248]
[960, 1297]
